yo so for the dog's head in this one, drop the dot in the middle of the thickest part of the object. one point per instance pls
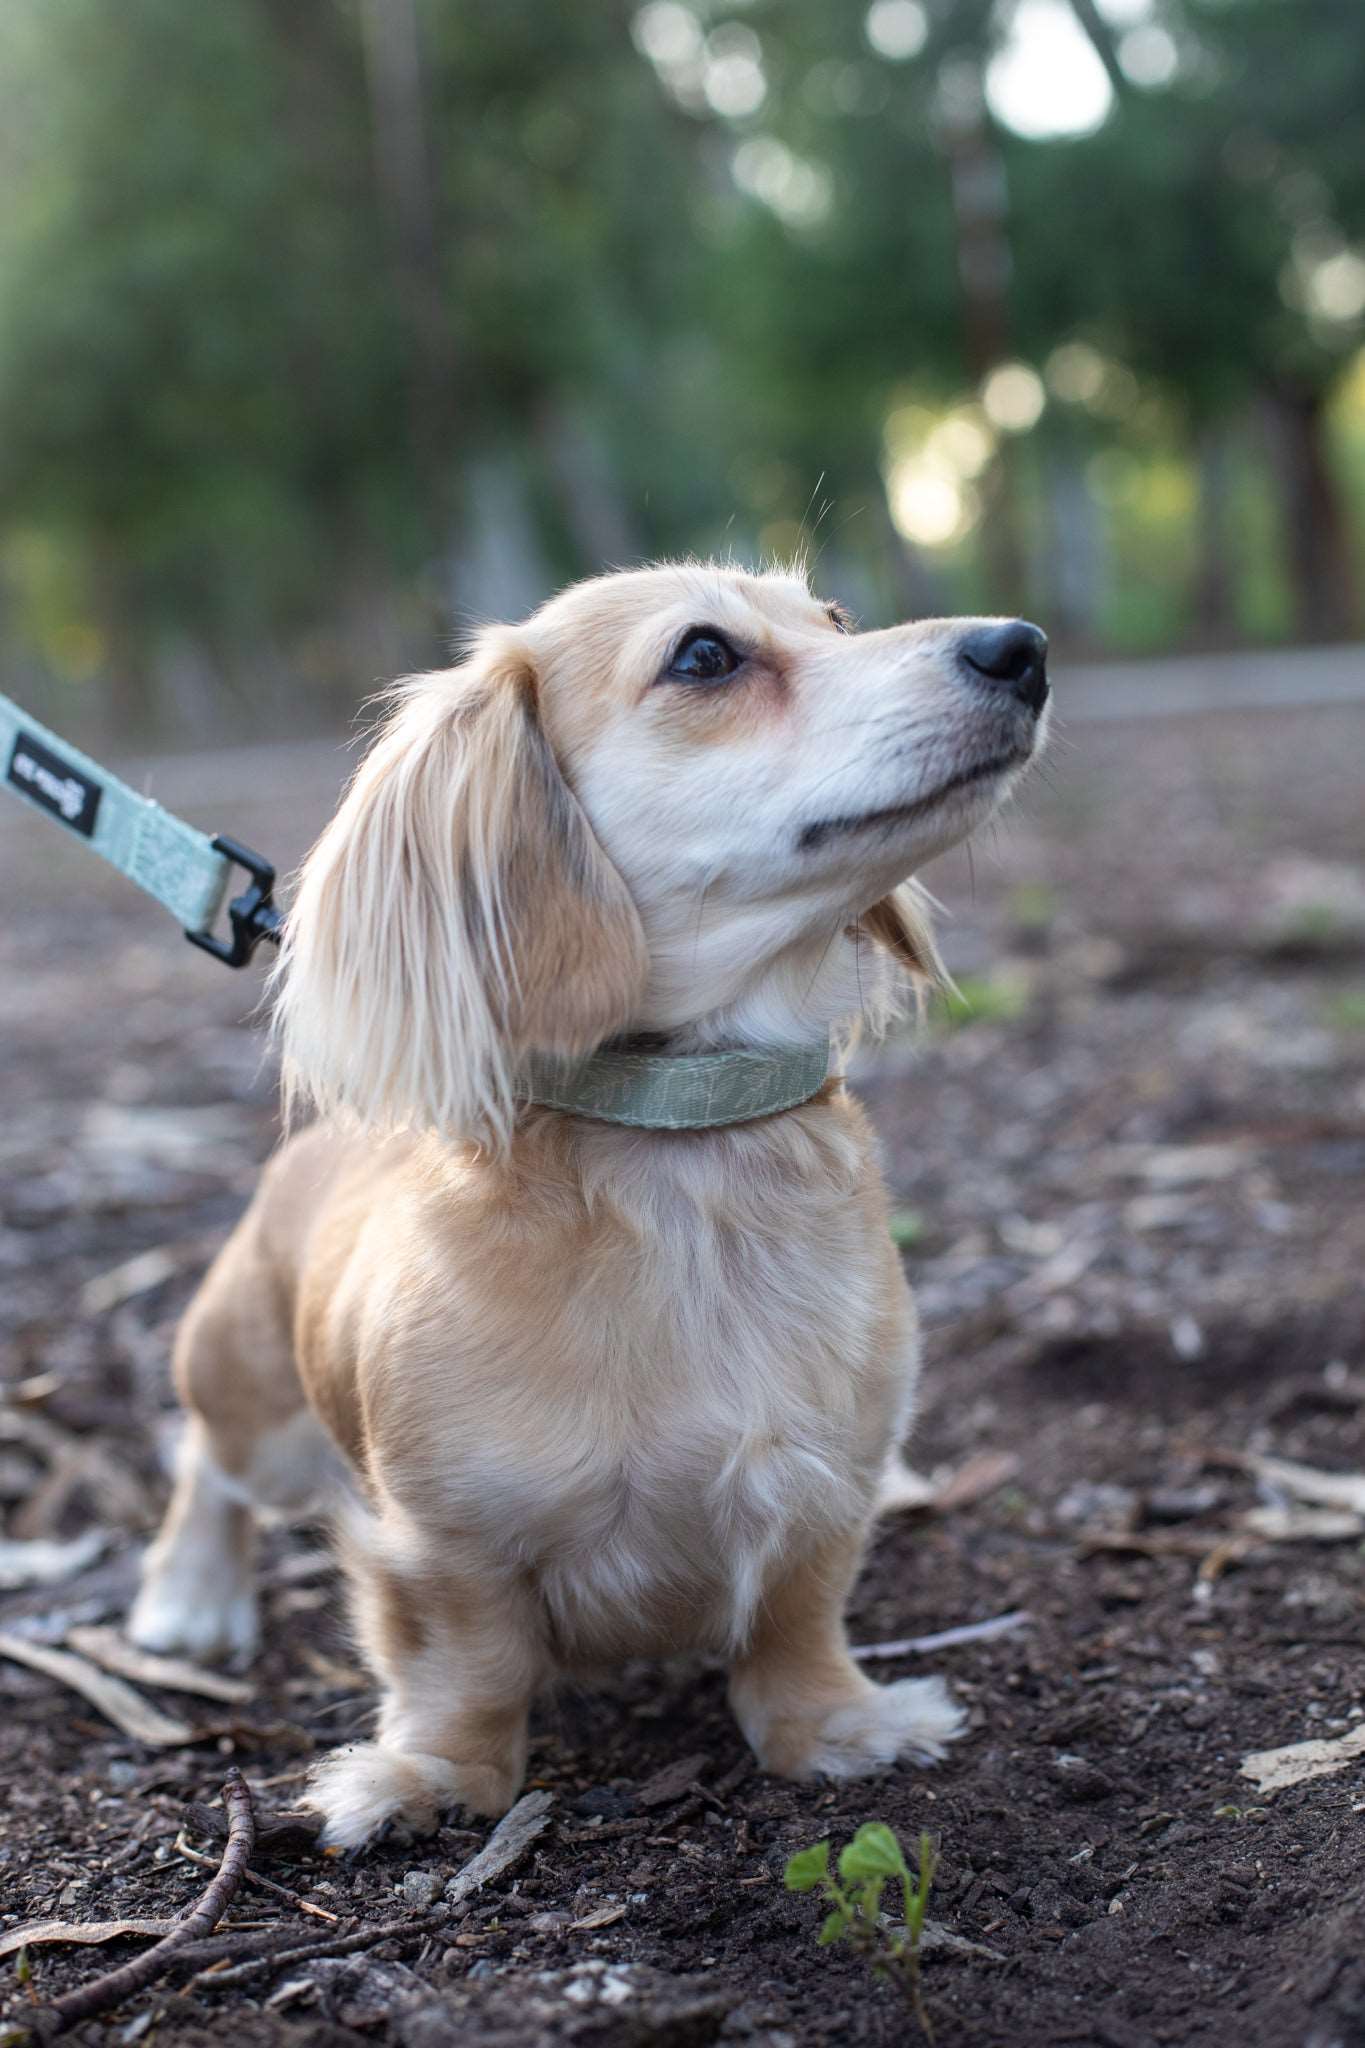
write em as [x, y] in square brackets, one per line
[682, 800]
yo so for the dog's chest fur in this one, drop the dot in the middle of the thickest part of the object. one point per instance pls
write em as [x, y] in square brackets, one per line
[656, 1372]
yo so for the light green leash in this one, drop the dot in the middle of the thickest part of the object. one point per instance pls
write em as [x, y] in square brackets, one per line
[188, 872]
[184, 869]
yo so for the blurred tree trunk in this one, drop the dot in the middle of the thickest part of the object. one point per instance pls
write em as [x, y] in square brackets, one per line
[587, 491]
[1215, 619]
[1075, 570]
[984, 264]
[129, 694]
[405, 173]
[1316, 533]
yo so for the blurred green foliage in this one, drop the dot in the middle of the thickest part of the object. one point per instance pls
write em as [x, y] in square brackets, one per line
[322, 328]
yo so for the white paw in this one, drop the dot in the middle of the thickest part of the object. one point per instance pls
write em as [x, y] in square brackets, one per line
[357, 1790]
[209, 1622]
[915, 1718]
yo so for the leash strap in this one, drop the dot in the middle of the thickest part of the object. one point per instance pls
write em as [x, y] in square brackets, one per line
[184, 869]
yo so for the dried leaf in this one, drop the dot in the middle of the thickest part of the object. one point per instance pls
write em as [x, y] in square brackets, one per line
[38, 1931]
[1271, 1770]
[107, 1648]
[115, 1700]
[981, 1475]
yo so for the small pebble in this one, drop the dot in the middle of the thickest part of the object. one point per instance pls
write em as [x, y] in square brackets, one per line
[420, 1889]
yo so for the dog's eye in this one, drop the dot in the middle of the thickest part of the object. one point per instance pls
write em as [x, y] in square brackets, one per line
[702, 656]
[839, 618]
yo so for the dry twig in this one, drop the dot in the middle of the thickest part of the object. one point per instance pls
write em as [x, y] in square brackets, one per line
[114, 1986]
[116, 1701]
[264, 1884]
[111, 1650]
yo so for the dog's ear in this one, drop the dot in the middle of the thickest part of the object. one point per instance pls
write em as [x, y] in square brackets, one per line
[900, 924]
[457, 914]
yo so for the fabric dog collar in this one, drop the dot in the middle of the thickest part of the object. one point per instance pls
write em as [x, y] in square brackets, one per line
[657, 1091]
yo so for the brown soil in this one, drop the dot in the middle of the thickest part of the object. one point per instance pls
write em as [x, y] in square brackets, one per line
[1137, 1239]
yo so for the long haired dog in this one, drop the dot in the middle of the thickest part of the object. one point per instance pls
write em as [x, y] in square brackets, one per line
[593, 1381]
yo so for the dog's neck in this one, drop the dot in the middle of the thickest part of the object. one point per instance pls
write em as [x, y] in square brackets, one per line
[810, 989]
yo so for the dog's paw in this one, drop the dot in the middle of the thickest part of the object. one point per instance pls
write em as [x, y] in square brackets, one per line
[212, 1623]
[361, 1789]
[858, 1729]
[916, 1719]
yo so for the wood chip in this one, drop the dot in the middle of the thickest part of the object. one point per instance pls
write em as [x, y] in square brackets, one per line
[984, 1474]
[39, 1931]
[605, 1916]
[507, 1844]
[43, 1562]
[672, 1782]
[113, 1652]
[1271, 1770]
[115, 1700]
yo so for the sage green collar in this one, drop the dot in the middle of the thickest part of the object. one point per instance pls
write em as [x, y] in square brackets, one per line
[656, 1091]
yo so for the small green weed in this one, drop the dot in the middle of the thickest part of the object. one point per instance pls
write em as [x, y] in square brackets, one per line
[1346, 1011]
[855, 1901]
[1033, 906]
[907, 1227]
[977, 999]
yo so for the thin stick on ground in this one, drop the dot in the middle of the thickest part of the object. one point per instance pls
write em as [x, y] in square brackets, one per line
[88, 2000]
[217, 1977]
[264, 1884]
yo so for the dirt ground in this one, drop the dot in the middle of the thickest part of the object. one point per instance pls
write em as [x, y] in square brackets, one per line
[1129, 1190]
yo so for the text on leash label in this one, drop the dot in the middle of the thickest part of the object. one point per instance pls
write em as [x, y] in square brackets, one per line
[38, 773]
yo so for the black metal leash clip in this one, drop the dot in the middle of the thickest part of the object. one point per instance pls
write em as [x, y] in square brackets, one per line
[252, 915]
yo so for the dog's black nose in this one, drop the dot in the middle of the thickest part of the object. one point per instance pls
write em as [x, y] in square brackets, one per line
[1012, 653]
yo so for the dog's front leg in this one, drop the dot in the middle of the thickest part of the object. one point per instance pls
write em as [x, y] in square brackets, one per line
[457, 1651]
[803, 1704]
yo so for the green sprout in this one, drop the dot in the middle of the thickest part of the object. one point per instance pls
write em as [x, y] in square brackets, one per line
[855, 1902]
[1346, 1011]
[907, 1227]
[982, 999]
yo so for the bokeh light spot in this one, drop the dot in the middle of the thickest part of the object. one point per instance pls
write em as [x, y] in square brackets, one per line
[667, 33]
[1045, 79]
[897, 29]
[1013, 397]
[1149, 56]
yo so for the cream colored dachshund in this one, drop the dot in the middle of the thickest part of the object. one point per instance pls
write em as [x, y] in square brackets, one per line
[579, 1301]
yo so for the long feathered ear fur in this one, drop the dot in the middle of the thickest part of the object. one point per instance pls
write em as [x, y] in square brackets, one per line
[457, 914]
[900, 924]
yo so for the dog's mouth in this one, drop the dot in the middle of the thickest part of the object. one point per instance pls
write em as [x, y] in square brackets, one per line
[824, 829]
